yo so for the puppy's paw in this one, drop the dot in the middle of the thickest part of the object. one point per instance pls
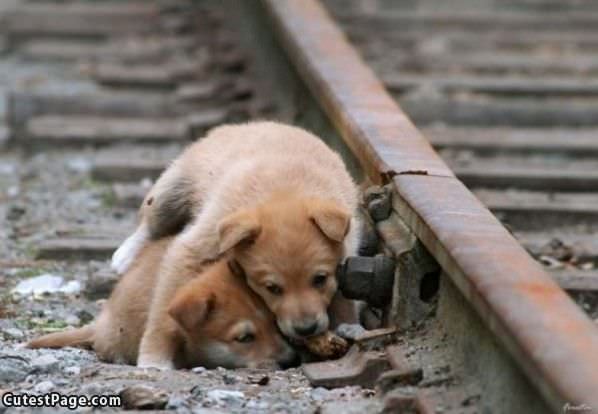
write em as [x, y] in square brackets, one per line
[124, 256]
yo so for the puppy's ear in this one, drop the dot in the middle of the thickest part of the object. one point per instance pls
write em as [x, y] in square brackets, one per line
[190, 309]
[236, 228]
[331, 219]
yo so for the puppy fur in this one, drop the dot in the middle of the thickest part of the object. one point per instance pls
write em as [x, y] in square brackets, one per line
[273, 199]
[217, 319]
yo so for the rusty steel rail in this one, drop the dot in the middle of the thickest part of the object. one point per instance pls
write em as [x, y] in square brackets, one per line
[552, 341]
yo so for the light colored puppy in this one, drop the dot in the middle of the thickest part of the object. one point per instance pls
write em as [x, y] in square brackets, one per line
[217, 320]
[273, 199]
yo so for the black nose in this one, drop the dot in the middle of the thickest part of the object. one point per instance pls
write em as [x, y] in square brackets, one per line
[306, 329]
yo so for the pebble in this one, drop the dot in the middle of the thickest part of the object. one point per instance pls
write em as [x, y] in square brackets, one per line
[39, 284]
[100, 283]
[78, 165]
[13, 333]
[319, 394]
[262, 380]
[13, 191]
[254, 404]
[44, 387]
[226, 397]
[44, 363]
[230, 379]
[73, 370]
[144, 397]
[13, 369]
[177, 402]
[72, 320]
[350, 331]
[199, 370]
[7, 168]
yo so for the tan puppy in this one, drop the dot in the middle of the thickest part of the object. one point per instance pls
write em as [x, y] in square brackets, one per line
[217, 319]
[276, 201]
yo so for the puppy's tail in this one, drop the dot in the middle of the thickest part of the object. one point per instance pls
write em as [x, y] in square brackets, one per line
[79, 338]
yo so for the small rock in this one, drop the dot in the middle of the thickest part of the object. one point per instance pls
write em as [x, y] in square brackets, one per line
[256, 405]
[72, 287]
[144, 397]
[45, 363]
[85, 316]
[177, 401]
[13, 369]
[262, 380]
[39, 284]
[13, 333]
[46, 283]
[78, 165]
[551, 262]
[72, 320]
[15, 212]
[100, 284]
[44, 387]
[74, 370]
[229, 379]
[350, 331]
[13, 191]
[226, 397]
[199, 370]
[380, 208]
[7, 168]
[319, 394]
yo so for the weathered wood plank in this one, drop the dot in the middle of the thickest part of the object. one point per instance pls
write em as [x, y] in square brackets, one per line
[527, 210]
[573, 141]
[424, 108]
[24, 105]
[584, 247]
[527, 177]
[98, 130]
[573, 279]
[124, 168]
[81, 19]
[129, 195]
[496, 63]
[129, 49]
[499, 85]
[77, 248]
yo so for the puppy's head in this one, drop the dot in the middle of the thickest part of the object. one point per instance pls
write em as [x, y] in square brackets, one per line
[288, 249]
[225, 324]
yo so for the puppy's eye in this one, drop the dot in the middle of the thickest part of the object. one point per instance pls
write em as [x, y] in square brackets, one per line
[274, 289]
[245, 338]
[319, 280]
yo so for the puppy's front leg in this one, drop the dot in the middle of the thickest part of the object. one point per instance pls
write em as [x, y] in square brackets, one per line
[181, 262]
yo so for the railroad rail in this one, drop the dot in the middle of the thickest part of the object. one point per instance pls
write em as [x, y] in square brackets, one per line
[474, 322]
[518, 301]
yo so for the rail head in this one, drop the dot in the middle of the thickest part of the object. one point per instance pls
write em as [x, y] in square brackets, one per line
[552, 340]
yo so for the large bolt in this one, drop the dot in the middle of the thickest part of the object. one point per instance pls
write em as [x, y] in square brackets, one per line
[367, 278]
[378, 202]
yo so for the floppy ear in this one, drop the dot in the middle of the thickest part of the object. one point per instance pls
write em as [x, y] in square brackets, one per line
[331, 219]
[238, 227]
[190, 309]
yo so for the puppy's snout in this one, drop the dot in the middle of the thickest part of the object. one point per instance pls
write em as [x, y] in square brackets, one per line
[306, 328]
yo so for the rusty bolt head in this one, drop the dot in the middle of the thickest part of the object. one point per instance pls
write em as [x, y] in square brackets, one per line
[369, 243]
[367, 278]
[372, 193]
